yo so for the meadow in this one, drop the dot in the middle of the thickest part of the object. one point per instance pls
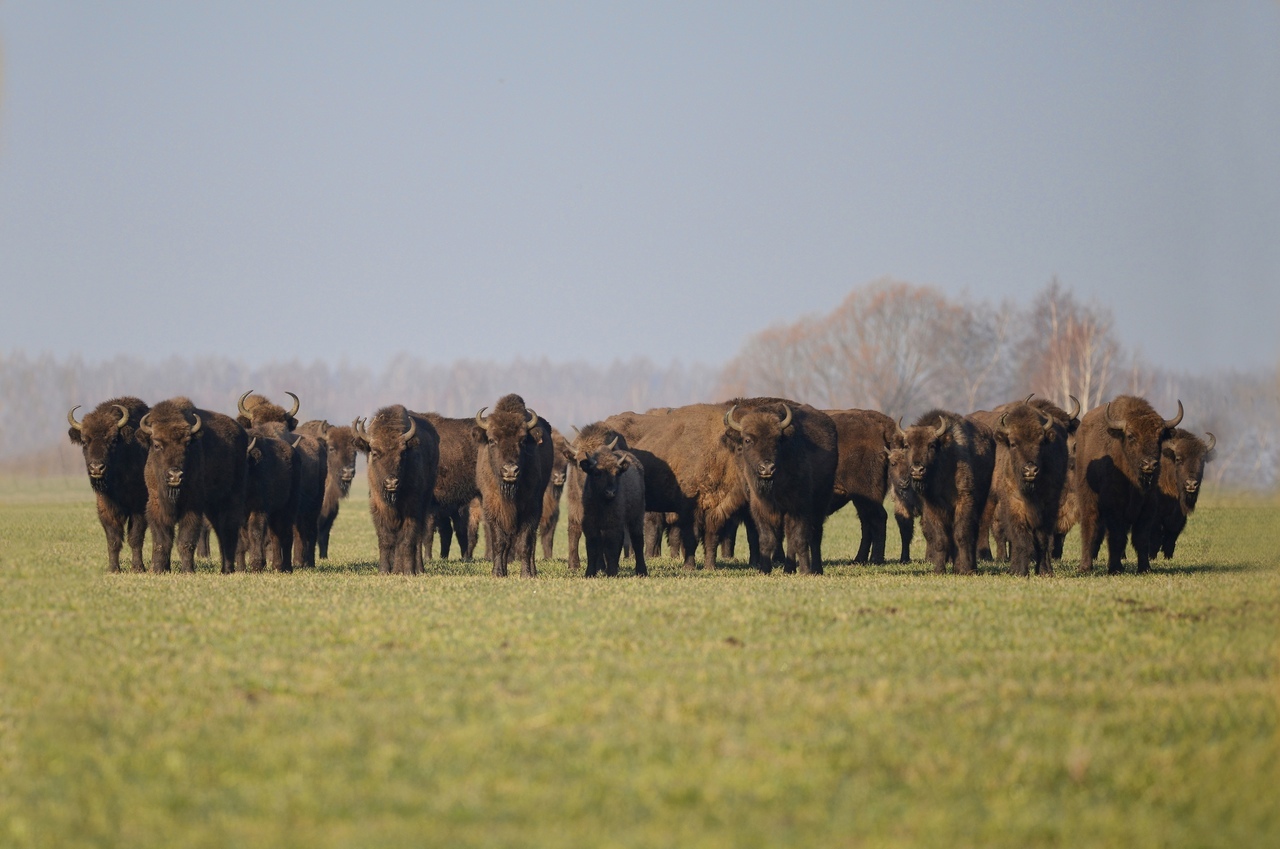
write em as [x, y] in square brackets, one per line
[871, 706]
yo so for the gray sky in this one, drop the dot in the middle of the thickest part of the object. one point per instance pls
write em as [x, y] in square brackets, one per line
[597, 180]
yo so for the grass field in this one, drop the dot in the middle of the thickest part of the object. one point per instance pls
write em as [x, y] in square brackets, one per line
[878, 706]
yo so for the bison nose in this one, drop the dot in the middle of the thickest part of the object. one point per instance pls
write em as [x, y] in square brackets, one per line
[174, 477]
[97, 470]
[349, 473]
[1192, 486]
[391, 484]
[1029, 471]
[766, 470]
[1149, 466]
[917, 472]
[510, 472]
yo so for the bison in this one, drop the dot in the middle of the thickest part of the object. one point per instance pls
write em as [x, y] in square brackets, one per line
[1118, 448]
[257, 412]
[403, 451]
[340, 472]
[551, 502]
[455, 487]
[906, 503]
[273, 481]
[865, 438]
[1181, 472]
[950, 460]
[513, 468]
[607, 485]
[195, 468]
[115, 462]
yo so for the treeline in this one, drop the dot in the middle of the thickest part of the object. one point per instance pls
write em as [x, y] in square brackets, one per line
[890, 346]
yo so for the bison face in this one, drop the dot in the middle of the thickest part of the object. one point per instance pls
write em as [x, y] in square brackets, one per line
[603, 469]
[900, 478]
[102, 437]
[1182, 466]
[390, 451]
[1028, 435]
[756, 438]
[1140, 437]
[169, 454]
[922, 444]
[342, 454]
[508, 440]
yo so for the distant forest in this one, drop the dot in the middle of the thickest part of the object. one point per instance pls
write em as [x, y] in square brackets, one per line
[890, 346]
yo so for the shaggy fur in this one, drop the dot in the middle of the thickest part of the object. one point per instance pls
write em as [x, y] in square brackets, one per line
[402, 476]
[1181, 473]
[513, 468]
[115, 461]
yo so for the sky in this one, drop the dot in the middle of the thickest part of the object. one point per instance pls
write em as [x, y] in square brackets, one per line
[596, 181]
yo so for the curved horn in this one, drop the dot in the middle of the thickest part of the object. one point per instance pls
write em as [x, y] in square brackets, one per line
[533, 420]
[575, 430]
[296, 404]
[942, 428]
[1075, 412]
[728, 419]
[252, 442]
[612, 445]
[71, 418]
[786, 420]
[1003, 416]
[1112, 423]
[144, 425]
[241, 407]
[1213, 440]
[901, 433]
[480, 422]
[357, 425]
[1172, 423]
[1048, 421]
[1027, 400]
[408, 434]
[195, 428]
[124, 416]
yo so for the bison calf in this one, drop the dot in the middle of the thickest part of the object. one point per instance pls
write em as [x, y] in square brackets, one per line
[611, 491]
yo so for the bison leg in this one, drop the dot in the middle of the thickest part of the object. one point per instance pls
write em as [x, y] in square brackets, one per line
[874, 520]
[574, 529]
[1117, 542]
[937, 539]
[280, 535]
[322, 538]
[137, 530]
[637, 532]
[527, 548]
[654, 527]
[189, 527]
[446, 537]
[202, 547]
[984, 529]
[113, 522]
[611, 546]
[906, 531]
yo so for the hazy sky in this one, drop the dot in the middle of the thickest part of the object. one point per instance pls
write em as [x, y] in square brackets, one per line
[597, 180]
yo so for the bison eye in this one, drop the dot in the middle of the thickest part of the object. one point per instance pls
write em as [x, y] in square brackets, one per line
[374, 453]
[748, 440]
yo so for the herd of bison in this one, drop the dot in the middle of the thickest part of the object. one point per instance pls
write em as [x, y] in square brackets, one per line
[269, 487]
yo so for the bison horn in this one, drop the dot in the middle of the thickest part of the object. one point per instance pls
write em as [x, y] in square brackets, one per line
[1003, 416]
[413, 428]
[244, 411]
[942, 427]
[728, 419]
[296, 404]
[124, 416]
[144, 425]
[71, 418]
[1172, 423]
[533, 420]
[1048, 421]
[1213, 440]
[1027, 400]
[1075, 411]
[575, 430]
[1112, 423]
[902, 434]
[195, 428]
[252, 442]
[480, 422]
[786, 419]
[613, 445]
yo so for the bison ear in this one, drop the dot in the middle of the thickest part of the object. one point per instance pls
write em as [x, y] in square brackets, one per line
[731, 439]
[76, 438]
[479, 435]
[291, 422]
[623, 461]
[1002, 435]
[536, 433]
[255, 455]
[413, 443]
[1051, 435]
[1167, 452]
[360, 443]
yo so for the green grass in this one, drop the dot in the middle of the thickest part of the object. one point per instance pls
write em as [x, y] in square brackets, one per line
[871, 706]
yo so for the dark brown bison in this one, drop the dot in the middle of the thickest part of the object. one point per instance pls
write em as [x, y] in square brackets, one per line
[273, 480]
[115, 462]
[1181, 473]
[551, 503]
[341, 471]
[195, 468]
[403, 452]
[862, 477]
[257, 412]
[1118, 451]
[950, 460]
[787, 455]
[455, 487]
[592, 440]
[513, 468]
[906, 503]
[608, 486]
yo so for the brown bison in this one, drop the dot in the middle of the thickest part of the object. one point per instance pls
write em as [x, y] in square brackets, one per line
[513, 468]
[592, 440]
[1118, 451]
[115, 462]
[865, 438]
[1181, 473]
[455, 487]
[257, 412]
[906, 503]
[950, 460]
[341, 471]
[195, 469]
[273, 479]
[403, 452]
[551, 503]
[607, 483]
[787, 455]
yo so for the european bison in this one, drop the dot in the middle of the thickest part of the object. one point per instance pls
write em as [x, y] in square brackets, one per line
[455, 487]
[257, 412]
[274, 476]
[195, 469]
[403, 457]
[551, 502]
[1118, 451]
[513, 468]
[115, 461]
[906, 503]
[1181, 473]
[608, 482]
[950, 461]
[865, 438]
[341, 471]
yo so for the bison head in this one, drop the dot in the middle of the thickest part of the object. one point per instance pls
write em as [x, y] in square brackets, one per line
[256, 410]
[1031, 437]
[921, 444]
[389, 440]
[169, 430]
[756, 437]
[602, 467]
[507, 441]
[342, 455]
[102, 436]
[1182, 465]
[1140, 432]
